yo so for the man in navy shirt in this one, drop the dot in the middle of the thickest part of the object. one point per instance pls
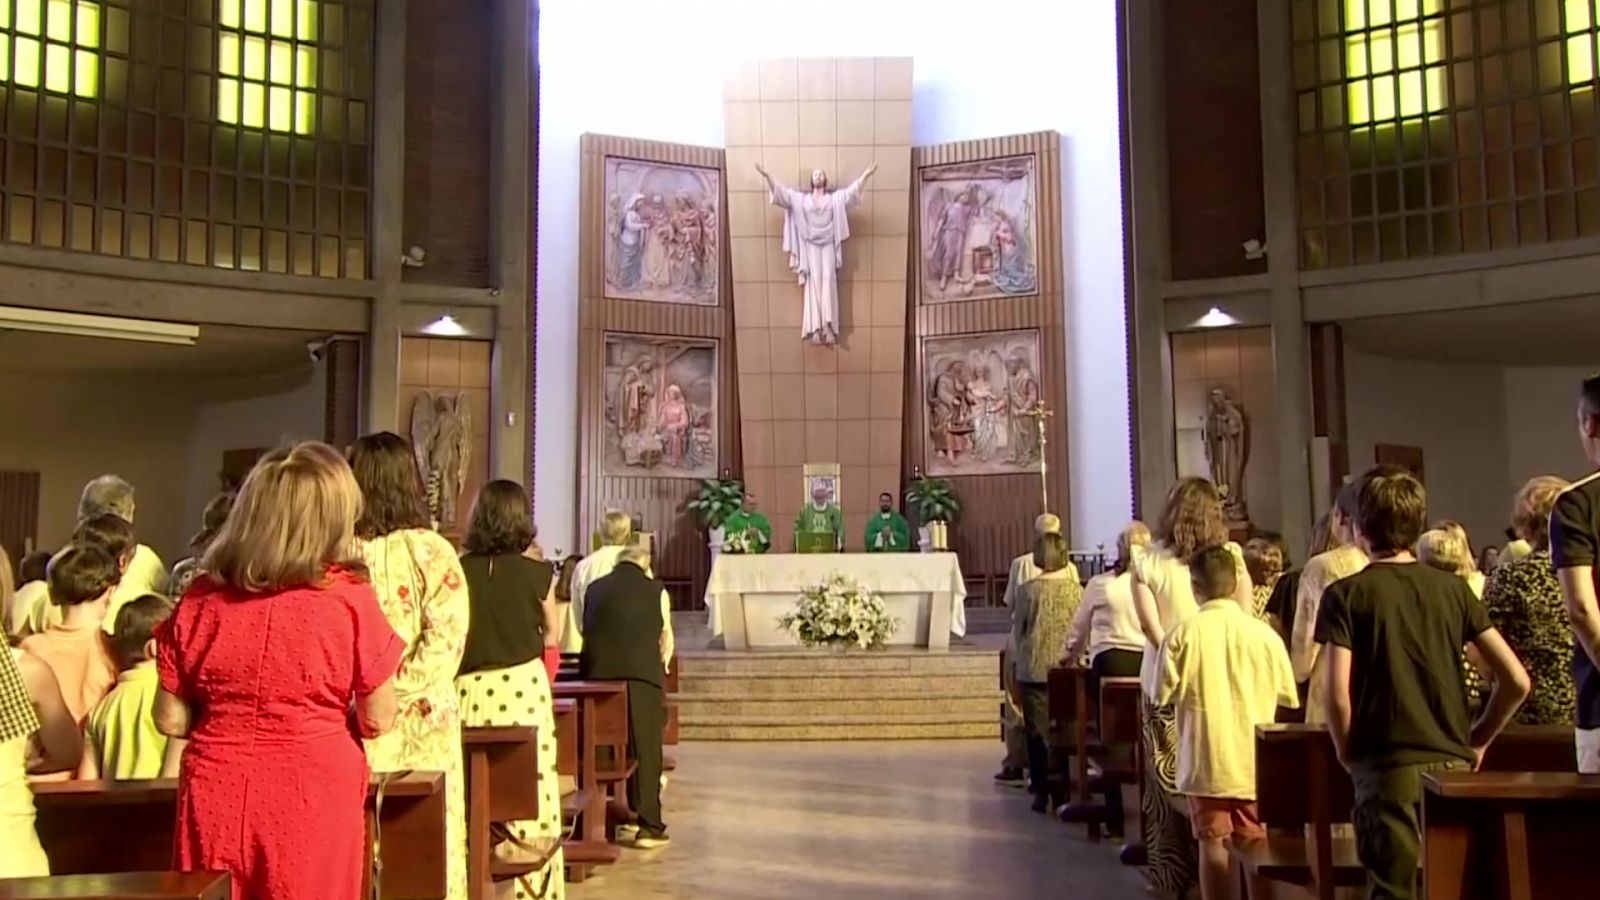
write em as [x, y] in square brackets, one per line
[1574, 542]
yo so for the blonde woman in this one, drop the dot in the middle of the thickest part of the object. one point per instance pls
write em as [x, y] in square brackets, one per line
[423, 591]
[1525, 604]
[1445, 546]
[261, 666]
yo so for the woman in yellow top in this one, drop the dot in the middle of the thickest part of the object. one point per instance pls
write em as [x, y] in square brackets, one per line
[420, 585]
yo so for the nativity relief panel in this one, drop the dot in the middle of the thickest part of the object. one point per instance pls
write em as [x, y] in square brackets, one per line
[661, 411]
[979, 226]
[982, 392]
[661, 232]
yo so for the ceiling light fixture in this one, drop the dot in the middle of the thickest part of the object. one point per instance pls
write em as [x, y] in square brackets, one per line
[49, 321]
[445, 326]
[1216, 318]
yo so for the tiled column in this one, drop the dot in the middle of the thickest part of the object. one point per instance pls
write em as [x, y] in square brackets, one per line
[799, 403]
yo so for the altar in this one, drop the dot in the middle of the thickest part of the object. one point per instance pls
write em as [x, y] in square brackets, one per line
[746, 594]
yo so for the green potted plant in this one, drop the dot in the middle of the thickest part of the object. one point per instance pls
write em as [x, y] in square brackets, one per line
[937, 506]
[718, 499]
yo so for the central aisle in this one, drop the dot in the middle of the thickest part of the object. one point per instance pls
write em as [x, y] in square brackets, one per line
[857, 819]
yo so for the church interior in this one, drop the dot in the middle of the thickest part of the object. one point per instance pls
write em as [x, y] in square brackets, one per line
[945, 373]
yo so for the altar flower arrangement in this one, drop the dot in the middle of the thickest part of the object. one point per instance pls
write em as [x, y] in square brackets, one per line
[738, 542]
[840, 613]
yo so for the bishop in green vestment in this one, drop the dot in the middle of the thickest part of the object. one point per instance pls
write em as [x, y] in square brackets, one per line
[753, 525]
[821, 515]
[888, 532]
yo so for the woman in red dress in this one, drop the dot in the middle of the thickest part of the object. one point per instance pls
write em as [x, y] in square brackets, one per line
[273, 667]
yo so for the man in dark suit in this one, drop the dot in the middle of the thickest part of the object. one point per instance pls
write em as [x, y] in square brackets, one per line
[622, 642]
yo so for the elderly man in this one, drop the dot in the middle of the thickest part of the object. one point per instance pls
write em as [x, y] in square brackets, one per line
[616, 532]
[620, 619]
[145, 574]
[1023, 570]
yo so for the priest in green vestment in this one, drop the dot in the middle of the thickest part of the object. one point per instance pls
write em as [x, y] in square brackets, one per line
[887, 531]
[753, 525]
[821, 515]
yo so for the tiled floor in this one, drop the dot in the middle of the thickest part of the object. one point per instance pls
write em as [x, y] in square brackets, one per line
[848, 820]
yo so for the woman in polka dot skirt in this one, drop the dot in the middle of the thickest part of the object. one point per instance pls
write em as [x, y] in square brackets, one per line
[510, 660]
[424, 595]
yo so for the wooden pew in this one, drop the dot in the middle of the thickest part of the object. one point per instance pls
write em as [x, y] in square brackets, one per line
[577, 745]
[121, 886]
[502, 767]
[606, 702]
[1120, 755]
[1508, 835]
[1299, 783]
[108, 827]
[1070, 713]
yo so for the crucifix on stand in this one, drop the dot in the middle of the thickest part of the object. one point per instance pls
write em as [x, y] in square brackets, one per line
[1039, 414]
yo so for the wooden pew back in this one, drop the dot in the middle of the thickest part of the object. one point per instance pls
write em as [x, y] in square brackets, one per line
[106, 827]
[1292, 757]
[120, 886]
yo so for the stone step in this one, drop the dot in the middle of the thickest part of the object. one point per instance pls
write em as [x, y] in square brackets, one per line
[833, 684]
[866, 728]
[697, 709]
[803, 662]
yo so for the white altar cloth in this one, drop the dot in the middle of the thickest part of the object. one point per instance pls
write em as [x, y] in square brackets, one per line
[925, 591]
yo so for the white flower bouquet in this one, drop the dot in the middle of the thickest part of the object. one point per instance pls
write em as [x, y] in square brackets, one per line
[839, 612]
[738, 542]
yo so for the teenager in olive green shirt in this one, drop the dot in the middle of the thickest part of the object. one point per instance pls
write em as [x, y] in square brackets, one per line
[753, 525]
[887, 532]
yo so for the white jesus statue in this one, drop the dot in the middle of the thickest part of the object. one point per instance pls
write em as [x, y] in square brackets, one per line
[815, 227]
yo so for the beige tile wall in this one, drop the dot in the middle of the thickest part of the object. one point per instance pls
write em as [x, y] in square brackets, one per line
[801, 404]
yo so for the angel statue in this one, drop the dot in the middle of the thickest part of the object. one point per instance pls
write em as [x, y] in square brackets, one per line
[441, 436]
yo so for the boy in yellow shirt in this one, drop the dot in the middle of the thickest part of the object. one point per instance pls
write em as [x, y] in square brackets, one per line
[120, 740]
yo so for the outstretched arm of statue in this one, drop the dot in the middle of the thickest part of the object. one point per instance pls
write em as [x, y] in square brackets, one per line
[852, 192]
[776, 191]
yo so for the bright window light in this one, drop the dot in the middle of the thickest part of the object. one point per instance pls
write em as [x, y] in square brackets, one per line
[1577, 23]
[1393, 59]
[44, 54]
[267, 64]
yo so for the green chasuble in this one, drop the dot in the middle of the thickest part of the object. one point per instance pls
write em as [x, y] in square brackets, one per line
[887, 532]
[742, 521]
[827, 520]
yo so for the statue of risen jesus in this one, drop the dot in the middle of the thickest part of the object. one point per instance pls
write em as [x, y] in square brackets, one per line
[815, 227]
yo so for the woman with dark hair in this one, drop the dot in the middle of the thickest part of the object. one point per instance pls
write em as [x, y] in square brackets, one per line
[211, 521]
[1163, 595]
[563, 591]
[423, 593]
[512, 654]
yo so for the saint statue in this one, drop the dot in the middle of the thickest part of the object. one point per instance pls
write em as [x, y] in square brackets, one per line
[815, 227]
[441, 438]
[1227, 443]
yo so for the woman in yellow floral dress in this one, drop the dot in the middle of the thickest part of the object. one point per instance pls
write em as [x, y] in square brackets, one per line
[423, 592]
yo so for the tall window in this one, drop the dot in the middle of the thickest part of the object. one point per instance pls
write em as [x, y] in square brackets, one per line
[267, 59]
[234, 134]
[51, 43]
[1393, 59]
[1577, 23]
[1431, 127]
